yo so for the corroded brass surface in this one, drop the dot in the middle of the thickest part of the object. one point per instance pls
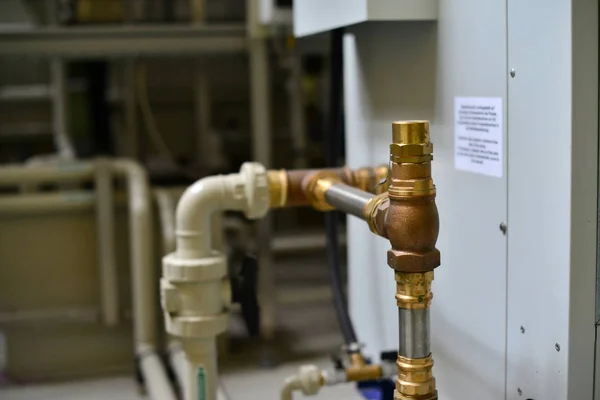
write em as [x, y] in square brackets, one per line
[413, 290]
[415, 379]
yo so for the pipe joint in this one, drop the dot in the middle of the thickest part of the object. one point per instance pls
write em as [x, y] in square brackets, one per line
[375, 211]
[179, 270]
[413, 290]
[316, 186]
[415, 379]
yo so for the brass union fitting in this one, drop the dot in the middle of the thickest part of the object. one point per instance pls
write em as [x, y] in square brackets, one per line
[415, 379]
[413, 290]
[316, 186]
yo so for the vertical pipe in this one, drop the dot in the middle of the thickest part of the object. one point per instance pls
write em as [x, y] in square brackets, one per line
[412, 224]
[130, 110]
[414, 340]
[105, 224]
[143, 280]
[260, 103]
[201, 369]
[202, 116]
[297, 109]
[60, 117]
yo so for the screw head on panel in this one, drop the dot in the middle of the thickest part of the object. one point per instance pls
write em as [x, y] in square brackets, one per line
[557, 347]
[512, 72]
[503, 228]
[522, 329]
[519, 392]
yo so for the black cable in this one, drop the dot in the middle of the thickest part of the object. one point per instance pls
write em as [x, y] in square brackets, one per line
[333, 141]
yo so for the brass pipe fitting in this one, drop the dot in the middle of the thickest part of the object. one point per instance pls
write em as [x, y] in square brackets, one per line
[359, 370]
[316, 186]
[288, 188]
[411, 223]
[375, 211]
[413, 290]
[415, 379]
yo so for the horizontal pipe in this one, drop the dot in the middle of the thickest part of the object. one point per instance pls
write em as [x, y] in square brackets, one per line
[59, 172]
[347, 199]
[46, 202]
[414, 338]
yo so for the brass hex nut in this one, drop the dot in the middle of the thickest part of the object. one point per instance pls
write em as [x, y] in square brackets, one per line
[413, 389]
[411, 149]
[413, 262]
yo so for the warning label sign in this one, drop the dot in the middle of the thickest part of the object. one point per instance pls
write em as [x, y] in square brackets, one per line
[478, 135]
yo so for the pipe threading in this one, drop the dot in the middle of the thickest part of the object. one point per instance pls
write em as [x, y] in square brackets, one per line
[413, 290]
[415, 379]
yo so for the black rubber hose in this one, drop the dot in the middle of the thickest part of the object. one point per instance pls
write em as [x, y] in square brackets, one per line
[333, 141]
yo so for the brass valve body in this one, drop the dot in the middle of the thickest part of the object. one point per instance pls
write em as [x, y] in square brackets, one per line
[411, 222]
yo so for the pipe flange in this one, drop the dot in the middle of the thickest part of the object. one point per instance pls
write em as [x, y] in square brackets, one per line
[256, 189]
[196, 326]
[205, 269]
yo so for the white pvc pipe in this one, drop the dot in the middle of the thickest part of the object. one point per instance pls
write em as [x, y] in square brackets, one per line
[195, 210]
[105, 225]
[143, 279]
[193, 287]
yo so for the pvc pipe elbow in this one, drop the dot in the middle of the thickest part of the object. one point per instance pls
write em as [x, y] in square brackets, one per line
[245, 191]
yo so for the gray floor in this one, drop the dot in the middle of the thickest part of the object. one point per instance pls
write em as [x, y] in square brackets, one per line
[307, 333]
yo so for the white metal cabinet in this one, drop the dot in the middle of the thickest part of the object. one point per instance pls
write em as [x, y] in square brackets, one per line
[542, 275]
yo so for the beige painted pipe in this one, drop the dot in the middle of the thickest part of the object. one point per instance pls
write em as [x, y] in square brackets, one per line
[143, 279]
[47, 202]
[55, 172]
[105, 225]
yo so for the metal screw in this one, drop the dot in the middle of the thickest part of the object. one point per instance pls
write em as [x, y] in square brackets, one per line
[512, 72]
[557, 347]
[522, 330]
[503, 228]
[519, 392]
